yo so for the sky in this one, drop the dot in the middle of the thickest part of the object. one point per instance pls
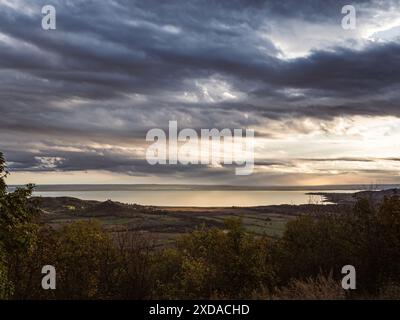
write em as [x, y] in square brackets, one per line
[76, 102]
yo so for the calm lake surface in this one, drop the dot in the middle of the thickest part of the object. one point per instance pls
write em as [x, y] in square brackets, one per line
[196, 198]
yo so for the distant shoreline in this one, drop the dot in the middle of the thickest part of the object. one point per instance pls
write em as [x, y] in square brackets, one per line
[182, 187]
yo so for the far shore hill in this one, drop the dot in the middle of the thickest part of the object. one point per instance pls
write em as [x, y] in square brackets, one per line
[165, 224]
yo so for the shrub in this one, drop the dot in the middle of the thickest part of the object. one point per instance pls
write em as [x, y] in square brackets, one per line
[214, 263]
[366, 237]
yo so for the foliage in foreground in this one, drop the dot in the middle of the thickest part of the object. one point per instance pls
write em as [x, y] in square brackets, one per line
[208, 263]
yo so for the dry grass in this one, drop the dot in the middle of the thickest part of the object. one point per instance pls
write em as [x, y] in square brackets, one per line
[319, 288]
[390, 292]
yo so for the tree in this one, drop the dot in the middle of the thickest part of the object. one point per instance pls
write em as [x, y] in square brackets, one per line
[84, 258]
[18, 229]
[5, 286]
[214, 263]
[367, 237]
[4, 283]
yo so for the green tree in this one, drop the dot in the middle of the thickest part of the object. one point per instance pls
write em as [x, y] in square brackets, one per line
[6, 288]
[367, 237]
[214, 263]
[18, 229]
[84, 258]
[3, 174]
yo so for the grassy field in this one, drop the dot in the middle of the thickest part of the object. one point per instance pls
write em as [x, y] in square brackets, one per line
[165, 224]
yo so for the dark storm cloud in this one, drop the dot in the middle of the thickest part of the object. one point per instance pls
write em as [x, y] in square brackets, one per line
[100, 160]
[112, 70]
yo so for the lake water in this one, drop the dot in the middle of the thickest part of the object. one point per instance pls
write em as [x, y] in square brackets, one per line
[196, 198]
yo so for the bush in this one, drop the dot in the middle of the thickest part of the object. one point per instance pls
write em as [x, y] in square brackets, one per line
[366, 237]
[213, 263]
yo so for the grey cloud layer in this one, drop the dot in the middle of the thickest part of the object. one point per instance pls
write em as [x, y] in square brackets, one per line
[112, 70]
